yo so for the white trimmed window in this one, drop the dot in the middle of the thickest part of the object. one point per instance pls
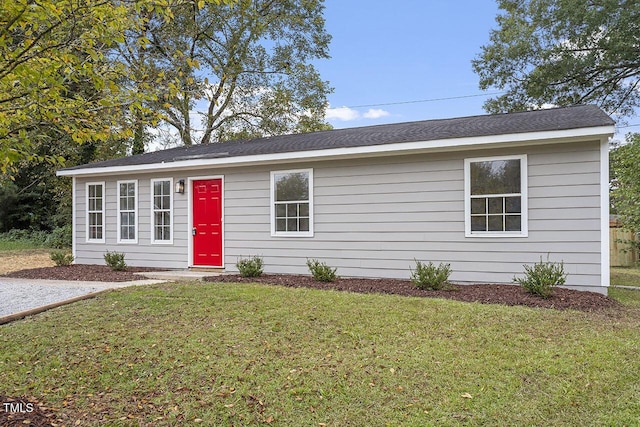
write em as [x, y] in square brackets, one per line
[127, 212]
[496, 196]
[161, 211]
[292, 203]
[95, 212]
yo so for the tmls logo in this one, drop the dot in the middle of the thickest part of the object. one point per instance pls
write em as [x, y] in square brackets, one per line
[18, 407]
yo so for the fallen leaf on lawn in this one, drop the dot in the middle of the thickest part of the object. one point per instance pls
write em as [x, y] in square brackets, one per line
[269, 419]
[467, 396]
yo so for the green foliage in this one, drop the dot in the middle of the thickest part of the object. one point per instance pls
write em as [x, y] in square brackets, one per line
[625, 181]
[60, 237]
[542, 278]
[34, 237]
[61, 259]
[115, 260]
[428, 276]
[250, 267]
[321, 271]
[563, 52]
[252, 64]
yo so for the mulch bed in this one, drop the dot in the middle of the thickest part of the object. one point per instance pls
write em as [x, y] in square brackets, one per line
[82, 272]
[487, 294]
[562, 299]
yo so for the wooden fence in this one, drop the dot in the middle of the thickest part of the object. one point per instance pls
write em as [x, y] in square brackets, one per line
[622, 254]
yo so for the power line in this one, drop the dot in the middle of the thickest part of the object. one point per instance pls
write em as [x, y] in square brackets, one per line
[425, 100]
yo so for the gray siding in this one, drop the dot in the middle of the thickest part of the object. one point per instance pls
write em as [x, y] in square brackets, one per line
[373, 217]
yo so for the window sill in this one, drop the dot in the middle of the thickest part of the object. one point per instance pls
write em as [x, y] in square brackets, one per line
[496, 235]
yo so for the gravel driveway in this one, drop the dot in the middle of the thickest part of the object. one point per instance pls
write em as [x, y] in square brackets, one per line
[18, 295]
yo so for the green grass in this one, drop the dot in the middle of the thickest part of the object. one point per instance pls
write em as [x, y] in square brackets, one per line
[625, 276]
[19, 245]
[231, 354]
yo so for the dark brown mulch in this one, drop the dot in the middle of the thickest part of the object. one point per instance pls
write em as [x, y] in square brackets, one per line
[563, 299]
[82, 272]
[22, 411]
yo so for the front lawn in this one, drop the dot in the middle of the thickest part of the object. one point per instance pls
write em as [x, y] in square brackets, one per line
[625, 276]
[242, 354]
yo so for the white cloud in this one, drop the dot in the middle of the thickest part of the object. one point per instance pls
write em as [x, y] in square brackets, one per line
[375, 113]
[342, 113]
[346, 114]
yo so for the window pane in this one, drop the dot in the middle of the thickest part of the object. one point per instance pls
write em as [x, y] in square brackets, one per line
[513, 205]
[495, 205]
[132, 190]
[304, 224]
[165, 187]
[479, 206]
[98, 204]
[303, 209]
[291, 186]
[292, 209]
[513, 223]
[132, 218]
[292, 224]
[92, 191]
[495, 223]
[92, 204]
[166, 202]
[157, 188]
[478, 223]
[281, 211]
[281, 225]
[495, 177]
[98, 191]
[157, 202]
[124, 219]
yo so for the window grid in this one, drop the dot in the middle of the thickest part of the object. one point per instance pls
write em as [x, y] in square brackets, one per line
[127, 211]
[292, 216]
[292, 203]
[161, 210]
[491, 213]
[95, 212]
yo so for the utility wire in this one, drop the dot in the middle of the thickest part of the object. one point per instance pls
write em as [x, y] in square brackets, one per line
[425, 100]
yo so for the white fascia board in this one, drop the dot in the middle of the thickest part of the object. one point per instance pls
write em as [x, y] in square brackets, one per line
[453, 144]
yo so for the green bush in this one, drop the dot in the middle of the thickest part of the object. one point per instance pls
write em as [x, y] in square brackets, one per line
[34, 237]
[321, 271]
[60, 238]
[250, 267]
[542, 277]
[115, 260]
[61, 259]
[428, 276]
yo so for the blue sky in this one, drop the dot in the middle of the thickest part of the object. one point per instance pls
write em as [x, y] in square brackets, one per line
[395, 53]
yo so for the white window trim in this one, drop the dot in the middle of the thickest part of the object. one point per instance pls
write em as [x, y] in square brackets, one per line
[153, 226]
[135, 212]
[275, 233]
[524, 191]
[104, 224]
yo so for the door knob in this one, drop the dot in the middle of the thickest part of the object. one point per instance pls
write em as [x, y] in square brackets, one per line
[194, 231]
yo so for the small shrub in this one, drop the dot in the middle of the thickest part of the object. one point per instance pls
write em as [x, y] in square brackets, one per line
[250, 267]
[428, 276]
[542, 277]
[61, 259]
[115, 260]
[321, 271]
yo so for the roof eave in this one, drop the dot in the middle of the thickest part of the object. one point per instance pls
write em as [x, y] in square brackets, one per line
[453, 144]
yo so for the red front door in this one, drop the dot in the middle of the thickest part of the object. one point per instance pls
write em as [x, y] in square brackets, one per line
[207, 223]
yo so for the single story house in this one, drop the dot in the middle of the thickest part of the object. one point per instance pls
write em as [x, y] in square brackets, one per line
[486, 194]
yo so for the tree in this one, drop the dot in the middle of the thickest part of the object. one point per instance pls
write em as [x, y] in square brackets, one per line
[246, 68]
[50, 48]
[563, 52]
[625, 181]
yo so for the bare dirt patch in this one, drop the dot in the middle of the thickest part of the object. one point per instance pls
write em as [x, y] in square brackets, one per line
[563, 299]
[19, 260]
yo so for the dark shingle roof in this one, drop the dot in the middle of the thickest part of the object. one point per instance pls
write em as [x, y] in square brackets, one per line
[583, 116]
